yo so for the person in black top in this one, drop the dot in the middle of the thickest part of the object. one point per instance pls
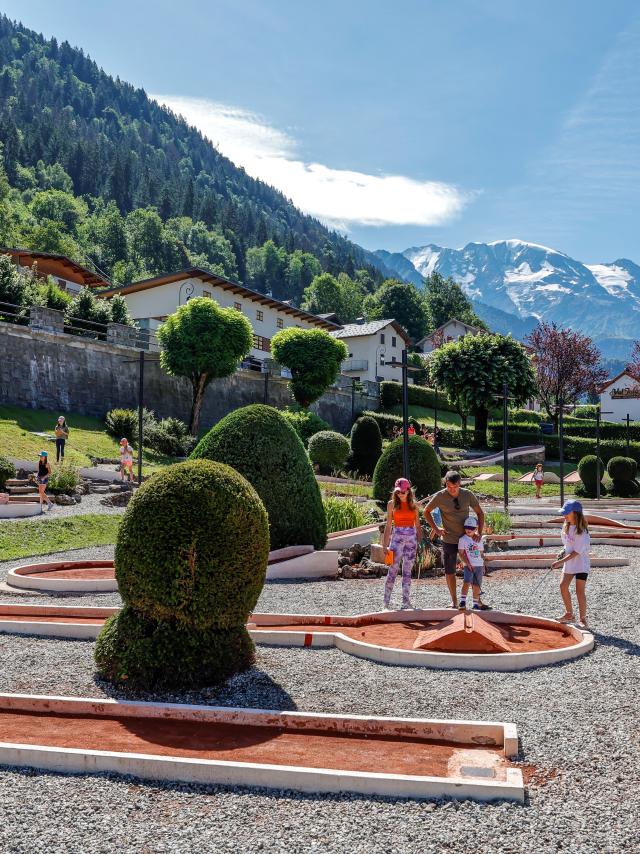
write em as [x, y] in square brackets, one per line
[62, 434]
[44, 472]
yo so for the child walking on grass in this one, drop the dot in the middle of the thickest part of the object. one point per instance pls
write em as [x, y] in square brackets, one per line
[575, 562]
[403, 519]
[472, 554]
[538, 480]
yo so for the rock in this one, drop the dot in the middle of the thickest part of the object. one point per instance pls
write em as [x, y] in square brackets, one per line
[100, 490]
[77, 499]
[377, 553]
[343, 561]
[117, 499]
[64, 500]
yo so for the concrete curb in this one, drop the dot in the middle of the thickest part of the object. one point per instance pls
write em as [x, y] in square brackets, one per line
[33, 577]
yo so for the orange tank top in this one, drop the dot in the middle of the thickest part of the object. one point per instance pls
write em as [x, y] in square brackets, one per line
[404, 517]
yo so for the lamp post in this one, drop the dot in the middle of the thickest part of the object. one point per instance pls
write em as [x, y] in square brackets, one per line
[435, 420]
[561, 449]
[141, 361]
[599, 415]
[628, 418]
[505, 441]
[404, 366]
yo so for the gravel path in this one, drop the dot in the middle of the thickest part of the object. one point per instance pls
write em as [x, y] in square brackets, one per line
[577, 722]
[89, 504]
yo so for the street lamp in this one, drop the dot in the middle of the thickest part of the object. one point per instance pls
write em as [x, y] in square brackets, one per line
[404, 366]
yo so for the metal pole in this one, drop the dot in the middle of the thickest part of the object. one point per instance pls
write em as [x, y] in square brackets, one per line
[561, 450]
[598, 454]
[628, 437]
[140, 417]
[435, 420]
[505, 445]
[353, 399]
[405, 414]
[266, 386]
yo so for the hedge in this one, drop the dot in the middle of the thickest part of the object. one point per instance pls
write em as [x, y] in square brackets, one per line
[304, 422]
[588, 410]
[366, 446]
[581, 428]
[575, 447]
[419, 395]
[449, 437]
[329, 451]
[525, 416]
[260, 443]
[7, 471]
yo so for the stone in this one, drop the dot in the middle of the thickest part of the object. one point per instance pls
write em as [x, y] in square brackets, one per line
[64, 500]
[117, 499]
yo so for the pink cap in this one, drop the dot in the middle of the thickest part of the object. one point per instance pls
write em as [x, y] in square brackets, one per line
[402, 484]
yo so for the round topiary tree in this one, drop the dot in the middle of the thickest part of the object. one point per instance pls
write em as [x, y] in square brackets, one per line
[587, 469]
[328, 450]
[366, 445]
[260, 443]
[622, 471]
[424, 469]
[191, 560]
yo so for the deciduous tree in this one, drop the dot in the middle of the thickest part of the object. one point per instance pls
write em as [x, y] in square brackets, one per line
[313, 357]
[399, 301]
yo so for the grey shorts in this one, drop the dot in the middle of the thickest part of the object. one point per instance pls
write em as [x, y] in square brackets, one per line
[450, 557]
[475, 576]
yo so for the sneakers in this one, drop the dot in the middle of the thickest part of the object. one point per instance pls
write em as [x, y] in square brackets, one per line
[406, 606]
[462, 605]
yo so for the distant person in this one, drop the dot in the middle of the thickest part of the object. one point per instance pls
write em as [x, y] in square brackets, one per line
[454, 503]
[401, 536]
[411, 430]
[471, 553]
[538, 480]
[62, 434]
[576, 562]
[42, 479]
[126, 460]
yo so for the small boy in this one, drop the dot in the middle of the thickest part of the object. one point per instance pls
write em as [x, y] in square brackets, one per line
[472, 555]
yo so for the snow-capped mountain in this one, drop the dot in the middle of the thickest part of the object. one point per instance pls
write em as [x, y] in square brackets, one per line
[529, 282]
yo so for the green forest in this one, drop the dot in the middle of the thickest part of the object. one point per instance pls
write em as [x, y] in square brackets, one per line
[92, 168]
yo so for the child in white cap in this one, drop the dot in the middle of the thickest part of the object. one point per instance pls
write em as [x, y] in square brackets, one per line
[472, 555]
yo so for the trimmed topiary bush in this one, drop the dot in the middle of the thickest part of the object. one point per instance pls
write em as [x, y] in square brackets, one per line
[622, 471]
[328, 450]
[259, 442]
[7, 471]
[587, 469]
[191, 560]
[304, 422]
[424, 469]
[366, 446]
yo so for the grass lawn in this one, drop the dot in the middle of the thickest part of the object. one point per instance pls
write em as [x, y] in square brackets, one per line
[517, 490]
[87, 437]
[364, 490]
[426, 416]
[31, 537]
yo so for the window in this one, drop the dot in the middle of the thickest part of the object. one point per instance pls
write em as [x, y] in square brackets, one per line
[382, 358]
[280, 323]
[261, 343]
[382, 337]
[237, 306]
[62, 284]
[206, 294]
[393, 340]
[259, 315]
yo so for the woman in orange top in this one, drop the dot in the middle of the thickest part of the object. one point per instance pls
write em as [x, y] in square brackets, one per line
[403, 517]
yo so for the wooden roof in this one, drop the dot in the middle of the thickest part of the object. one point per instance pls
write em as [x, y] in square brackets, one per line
[28, 257]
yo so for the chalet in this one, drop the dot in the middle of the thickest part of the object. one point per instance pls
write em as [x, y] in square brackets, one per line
[372, 347]
[151, 301]
[619, 397]
[68, 275]
[452, 330]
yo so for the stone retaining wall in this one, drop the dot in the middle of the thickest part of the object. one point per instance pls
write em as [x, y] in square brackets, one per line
[50, 370]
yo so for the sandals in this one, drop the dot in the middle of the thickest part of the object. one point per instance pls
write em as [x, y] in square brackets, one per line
[481, 607]
[567, 618]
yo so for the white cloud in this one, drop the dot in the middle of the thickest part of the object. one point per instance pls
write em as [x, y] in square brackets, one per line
[337, 196]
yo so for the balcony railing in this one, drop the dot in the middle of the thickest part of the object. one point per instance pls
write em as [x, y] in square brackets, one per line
[355, 365]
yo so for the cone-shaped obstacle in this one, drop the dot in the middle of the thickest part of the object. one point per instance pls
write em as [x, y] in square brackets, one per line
[463, 633]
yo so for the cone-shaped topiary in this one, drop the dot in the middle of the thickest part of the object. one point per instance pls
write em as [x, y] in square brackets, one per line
[259, 442]
[587, 469]
[191, 560]
[328, 450]
[622, 471]
[424, 469]
[366, 445]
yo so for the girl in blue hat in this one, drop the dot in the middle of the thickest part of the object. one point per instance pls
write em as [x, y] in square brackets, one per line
[575, 563]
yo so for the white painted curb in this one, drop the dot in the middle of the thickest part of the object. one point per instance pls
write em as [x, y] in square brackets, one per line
[21, 577]
[322, 564]
[20, 510]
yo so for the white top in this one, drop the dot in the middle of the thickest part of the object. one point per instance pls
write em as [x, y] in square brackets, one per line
[538, 475]
[580, 543]
[472, 550]
[126, 452]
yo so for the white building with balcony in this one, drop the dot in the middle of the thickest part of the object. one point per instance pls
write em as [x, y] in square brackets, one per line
[151, 301]
[372, 347]
[452, 330]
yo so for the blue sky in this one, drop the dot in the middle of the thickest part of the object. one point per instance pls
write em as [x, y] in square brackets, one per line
[406, 123]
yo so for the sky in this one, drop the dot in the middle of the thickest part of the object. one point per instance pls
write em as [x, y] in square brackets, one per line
[403, 123]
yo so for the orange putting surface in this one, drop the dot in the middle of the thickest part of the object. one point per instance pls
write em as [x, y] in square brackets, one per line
[260, 744]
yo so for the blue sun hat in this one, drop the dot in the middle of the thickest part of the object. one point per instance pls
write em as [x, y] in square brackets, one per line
[43, 454]
[570, 507]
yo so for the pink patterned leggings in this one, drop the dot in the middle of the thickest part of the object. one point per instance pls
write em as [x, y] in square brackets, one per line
[404, 545]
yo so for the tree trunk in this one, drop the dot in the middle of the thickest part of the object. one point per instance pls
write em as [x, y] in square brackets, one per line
[480, 435]
[199, 386]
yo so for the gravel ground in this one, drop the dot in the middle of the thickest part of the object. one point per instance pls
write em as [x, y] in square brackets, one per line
[577, 723]
[89, 504]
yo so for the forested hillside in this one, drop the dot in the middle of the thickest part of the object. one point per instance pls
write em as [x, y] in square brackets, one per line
[98, 171]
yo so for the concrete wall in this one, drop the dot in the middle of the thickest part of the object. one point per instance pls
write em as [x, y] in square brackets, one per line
[46, 370]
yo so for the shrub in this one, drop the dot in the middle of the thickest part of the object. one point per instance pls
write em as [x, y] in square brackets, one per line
[159, 439]
[121, 423]
[260, 443]
[328, 450]
[498, 521]
[589, 410]
[7, 471]
[366, 446]
[343, 513]
[304, 422]
[391, 395]
[587, 469]
[622, 471]
[63, 481]
[424, 468]
[191, 560]
[525, 416]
